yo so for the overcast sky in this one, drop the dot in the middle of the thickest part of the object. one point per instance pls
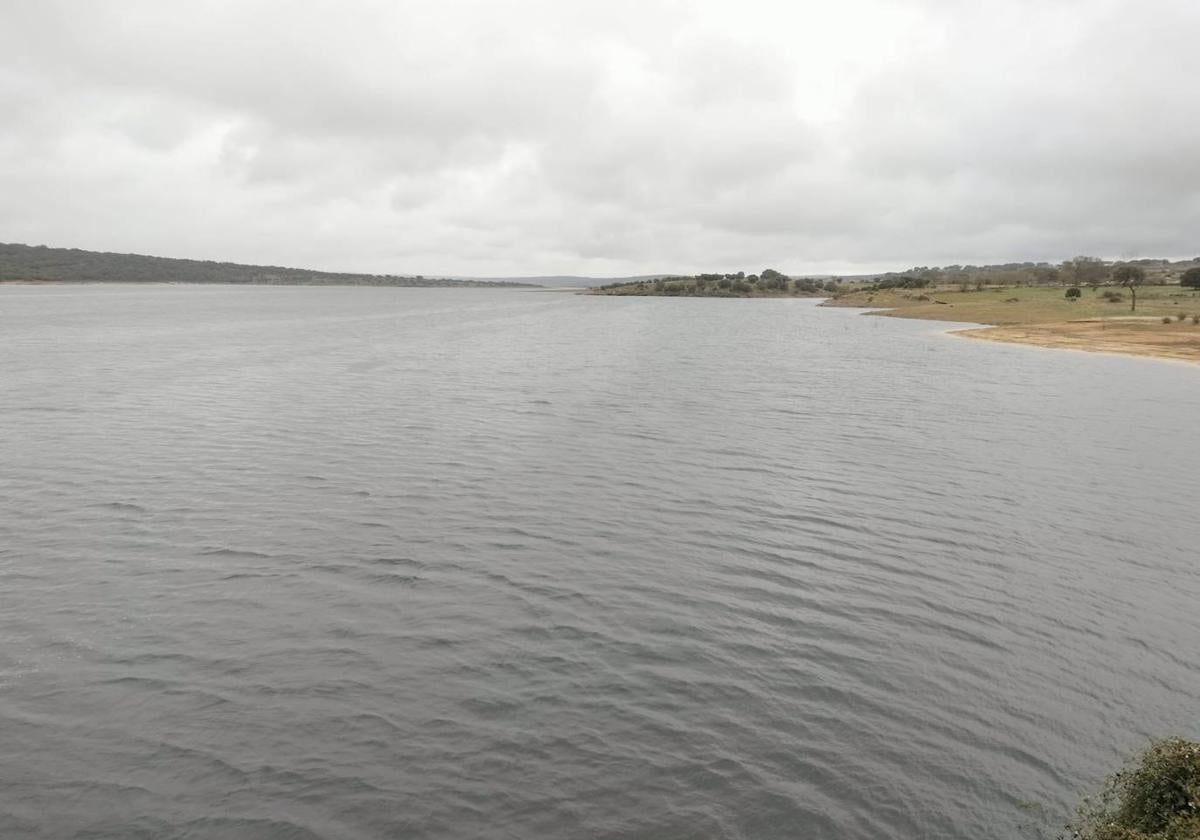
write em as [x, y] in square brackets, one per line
[603, 138]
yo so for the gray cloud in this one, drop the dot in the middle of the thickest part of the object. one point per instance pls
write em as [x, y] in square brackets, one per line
[602, 137]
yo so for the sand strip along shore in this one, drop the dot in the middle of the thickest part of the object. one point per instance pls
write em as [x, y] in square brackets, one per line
[1128, 336]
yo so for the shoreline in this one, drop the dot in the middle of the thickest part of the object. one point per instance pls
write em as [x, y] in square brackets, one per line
[1039, 317]
[1144, 336]
[1109, 338]
[54, 284]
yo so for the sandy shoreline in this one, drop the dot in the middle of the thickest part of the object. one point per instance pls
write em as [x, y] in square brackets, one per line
[1128, 337]
[1162, 328]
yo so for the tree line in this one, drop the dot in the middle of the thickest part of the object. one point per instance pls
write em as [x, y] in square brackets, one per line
[1084, 271]
[769, 283]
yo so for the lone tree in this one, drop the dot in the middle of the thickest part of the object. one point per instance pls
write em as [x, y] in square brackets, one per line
[1073, 294]
[1085, 271]
[1190, 279]
[1130, 277]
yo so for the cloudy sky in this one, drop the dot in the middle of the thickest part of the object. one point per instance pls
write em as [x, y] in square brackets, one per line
[606, 138]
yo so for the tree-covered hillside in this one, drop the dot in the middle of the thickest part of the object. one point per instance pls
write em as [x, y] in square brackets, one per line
[38, 263]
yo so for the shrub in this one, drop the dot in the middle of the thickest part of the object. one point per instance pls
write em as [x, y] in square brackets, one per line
[902, 282]
[1073, 293]
[1196, 319]
[1190, 278]
[1166, 319]
[1157, 797]
[1180, 317]
[1113, 297]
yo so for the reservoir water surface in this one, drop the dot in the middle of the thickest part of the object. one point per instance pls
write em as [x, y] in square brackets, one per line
[438, 563]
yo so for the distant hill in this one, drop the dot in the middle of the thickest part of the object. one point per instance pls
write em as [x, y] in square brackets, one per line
[567, 280]
[38, 263]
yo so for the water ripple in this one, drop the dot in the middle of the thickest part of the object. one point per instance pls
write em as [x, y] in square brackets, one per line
[368, 563]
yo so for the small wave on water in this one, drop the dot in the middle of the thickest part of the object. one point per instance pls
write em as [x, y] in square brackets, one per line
[121, 507]
[408, 563]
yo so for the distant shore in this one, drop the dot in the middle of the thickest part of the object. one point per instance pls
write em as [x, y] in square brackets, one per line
[281, 284]
[770, 284]
[39, 264]
[1165, 325]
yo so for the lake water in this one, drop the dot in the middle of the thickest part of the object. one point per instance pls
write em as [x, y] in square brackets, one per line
[390, 563]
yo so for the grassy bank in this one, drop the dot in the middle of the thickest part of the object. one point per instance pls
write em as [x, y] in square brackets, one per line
[1022, 305]
[1165, 324]
[1155, 797]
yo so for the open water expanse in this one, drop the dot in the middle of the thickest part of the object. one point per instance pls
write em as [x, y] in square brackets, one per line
[433, 563]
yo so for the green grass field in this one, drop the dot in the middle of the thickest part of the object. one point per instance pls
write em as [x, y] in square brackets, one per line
[1022, 305]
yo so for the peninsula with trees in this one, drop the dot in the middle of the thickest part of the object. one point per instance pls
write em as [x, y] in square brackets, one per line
[40, 264]
[1144, 307]
[770, 283]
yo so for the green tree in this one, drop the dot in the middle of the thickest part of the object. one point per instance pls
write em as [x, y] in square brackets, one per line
[1130, 277]
[1085, 271]
[1073, 294]
[1046, 275]
[1190, 279]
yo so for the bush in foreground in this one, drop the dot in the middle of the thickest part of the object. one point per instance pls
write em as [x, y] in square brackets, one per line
[1156, 797]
